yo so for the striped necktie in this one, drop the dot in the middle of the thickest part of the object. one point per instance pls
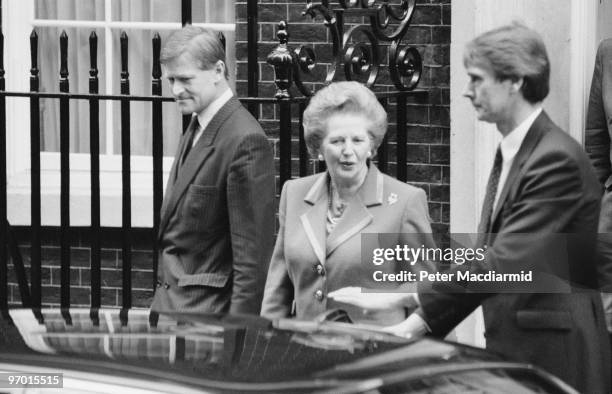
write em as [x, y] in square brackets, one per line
[487, 205]
[190, 135]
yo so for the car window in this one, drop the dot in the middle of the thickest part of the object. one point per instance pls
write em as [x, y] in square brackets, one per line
[475, 382]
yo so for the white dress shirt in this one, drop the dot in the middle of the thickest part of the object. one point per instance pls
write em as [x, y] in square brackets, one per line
[209, 112]
[510, 146]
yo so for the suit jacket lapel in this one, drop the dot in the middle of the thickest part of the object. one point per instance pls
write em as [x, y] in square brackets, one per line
[185, 174]
[537, 129]
[313, 220]
[174, 171]
[357, 216]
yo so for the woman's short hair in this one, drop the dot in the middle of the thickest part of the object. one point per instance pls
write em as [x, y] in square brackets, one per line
[512, 52]
[343, 98]
[203, 45]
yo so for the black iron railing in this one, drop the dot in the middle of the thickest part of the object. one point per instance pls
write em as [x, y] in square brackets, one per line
[351, 58]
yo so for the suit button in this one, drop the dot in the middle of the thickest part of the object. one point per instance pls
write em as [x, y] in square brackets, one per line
[159, 282]
[319, 295]
[166, 285]
[320, 270]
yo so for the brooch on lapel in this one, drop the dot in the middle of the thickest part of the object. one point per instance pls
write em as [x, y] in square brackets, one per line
[392, 199]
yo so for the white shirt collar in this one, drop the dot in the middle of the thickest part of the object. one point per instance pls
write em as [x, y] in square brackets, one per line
[511, 143]
[510, 146]
[209, 112]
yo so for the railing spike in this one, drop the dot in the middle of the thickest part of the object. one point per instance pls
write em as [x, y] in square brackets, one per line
[124, 54]
[93, 54]
[64, 55]
[156, 72]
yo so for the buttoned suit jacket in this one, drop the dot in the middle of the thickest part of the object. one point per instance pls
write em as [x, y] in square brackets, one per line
[550, 189]
[597, 144]
[599, 115]
[305, 261]
[217, 222]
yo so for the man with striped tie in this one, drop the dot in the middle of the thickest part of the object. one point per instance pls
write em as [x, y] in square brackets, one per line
[540, 213]
[541, 184]
[217, 221]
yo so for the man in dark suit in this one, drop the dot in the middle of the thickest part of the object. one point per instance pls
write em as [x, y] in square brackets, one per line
[541, 185]
[217, 221]
[597, 143]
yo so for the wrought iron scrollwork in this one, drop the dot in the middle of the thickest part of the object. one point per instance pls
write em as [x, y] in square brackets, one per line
[405, 66]
[322, 8]
[387, 13]
[303, 63]
[360, 58]
[355, 52]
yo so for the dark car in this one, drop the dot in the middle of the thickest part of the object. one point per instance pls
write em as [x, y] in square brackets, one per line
[113, 351]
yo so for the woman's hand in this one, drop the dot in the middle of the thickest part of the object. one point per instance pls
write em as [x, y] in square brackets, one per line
[373, 300]
[413, 327]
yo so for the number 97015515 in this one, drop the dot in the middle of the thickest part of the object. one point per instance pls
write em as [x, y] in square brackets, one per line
[13, 379]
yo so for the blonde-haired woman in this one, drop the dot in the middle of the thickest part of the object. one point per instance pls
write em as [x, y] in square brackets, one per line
[322, 217]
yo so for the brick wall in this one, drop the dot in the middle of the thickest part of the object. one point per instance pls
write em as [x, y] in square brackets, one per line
[111, 275]
[428, 119]
[428, 144]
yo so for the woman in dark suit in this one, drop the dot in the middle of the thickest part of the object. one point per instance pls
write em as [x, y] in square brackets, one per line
[323, 216]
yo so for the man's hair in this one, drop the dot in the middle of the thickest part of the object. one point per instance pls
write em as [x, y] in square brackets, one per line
[512, 52]
[203, 45]
[348, 97]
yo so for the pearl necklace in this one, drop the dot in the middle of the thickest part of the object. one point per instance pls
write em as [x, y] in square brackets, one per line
[334, 210]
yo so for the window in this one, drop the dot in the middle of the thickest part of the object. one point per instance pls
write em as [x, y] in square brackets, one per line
[140, 19]
[477, 381]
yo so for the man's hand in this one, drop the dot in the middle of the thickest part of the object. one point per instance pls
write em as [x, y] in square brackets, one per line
[372, 300]
[413, 327]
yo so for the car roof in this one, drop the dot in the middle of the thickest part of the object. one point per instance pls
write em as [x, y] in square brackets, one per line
[224, 352]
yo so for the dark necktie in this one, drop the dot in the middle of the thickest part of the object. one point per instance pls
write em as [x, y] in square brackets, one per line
[487, 205]
[191, 132]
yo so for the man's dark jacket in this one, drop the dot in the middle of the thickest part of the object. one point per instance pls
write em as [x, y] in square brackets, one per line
[217, 219]
[551, 191]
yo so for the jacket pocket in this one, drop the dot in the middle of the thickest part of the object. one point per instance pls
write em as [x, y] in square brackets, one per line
[201, 208]
[544, 320]
[202, 190]
[218, 280]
